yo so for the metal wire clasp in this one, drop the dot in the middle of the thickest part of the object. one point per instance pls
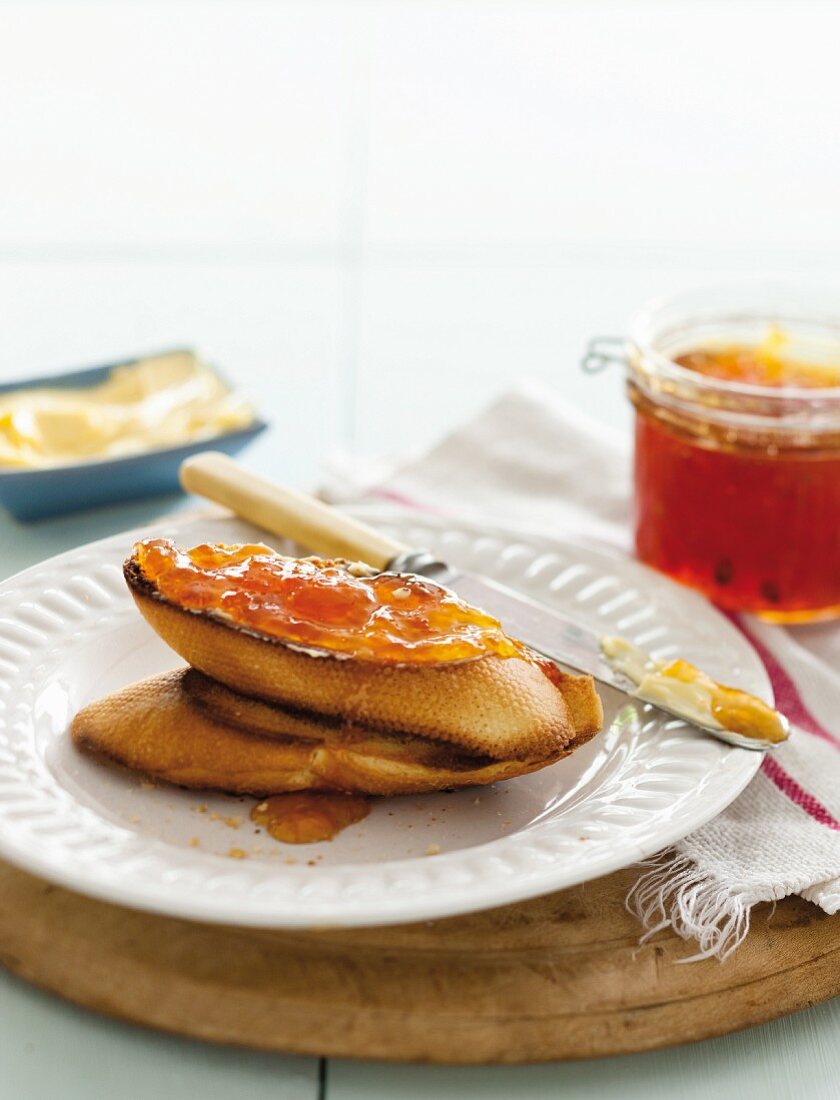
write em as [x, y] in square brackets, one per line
[602, 352]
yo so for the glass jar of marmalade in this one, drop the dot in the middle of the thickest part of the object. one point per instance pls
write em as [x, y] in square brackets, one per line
[737, 447]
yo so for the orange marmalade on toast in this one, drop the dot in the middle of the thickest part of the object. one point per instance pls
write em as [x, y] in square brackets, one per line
[343, 608]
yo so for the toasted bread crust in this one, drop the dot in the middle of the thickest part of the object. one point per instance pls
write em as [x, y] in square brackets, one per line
[272, 720]
[503, 708]
[158, 727]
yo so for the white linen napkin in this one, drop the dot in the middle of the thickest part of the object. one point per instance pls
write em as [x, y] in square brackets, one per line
[531, 460]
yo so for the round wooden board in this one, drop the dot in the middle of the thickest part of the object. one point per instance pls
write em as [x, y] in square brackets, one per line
[558, 977]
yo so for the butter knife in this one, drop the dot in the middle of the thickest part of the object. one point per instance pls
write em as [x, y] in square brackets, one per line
[332, 533]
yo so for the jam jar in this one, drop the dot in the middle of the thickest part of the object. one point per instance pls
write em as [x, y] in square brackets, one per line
[737, 446]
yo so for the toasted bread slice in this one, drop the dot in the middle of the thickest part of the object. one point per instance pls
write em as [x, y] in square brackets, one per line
[274, 720]
[501, 708]
[181, 728]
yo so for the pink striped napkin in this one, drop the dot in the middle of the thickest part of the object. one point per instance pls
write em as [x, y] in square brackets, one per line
[532, 461]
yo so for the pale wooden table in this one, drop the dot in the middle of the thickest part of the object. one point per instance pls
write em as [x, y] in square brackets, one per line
[376, 216]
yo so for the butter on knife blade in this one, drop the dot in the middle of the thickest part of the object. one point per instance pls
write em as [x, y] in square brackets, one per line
[680, 686]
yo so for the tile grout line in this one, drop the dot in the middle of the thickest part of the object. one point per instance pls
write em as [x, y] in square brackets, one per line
[352, 228]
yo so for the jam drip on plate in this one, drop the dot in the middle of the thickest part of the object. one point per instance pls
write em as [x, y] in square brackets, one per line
[325, 605]
[308, 817]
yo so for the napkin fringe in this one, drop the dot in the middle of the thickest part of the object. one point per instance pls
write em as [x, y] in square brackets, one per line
[676, 893]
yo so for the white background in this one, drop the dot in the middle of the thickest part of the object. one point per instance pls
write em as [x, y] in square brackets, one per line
[376, 216]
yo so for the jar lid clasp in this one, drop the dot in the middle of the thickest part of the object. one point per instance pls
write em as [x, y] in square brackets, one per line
[602, 352]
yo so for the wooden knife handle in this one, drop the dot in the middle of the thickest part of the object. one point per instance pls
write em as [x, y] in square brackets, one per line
[286, 512]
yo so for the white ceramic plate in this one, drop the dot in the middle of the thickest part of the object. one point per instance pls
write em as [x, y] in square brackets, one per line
[69, 633]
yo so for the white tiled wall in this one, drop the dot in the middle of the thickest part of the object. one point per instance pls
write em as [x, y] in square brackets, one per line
[380, 213]
[149, 125]
[608, 120]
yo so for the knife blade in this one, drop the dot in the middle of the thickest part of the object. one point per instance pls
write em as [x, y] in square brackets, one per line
[544, 629]
[327, 531]
[551, 633]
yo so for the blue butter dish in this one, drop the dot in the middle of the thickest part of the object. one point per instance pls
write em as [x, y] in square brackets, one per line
[31, 492]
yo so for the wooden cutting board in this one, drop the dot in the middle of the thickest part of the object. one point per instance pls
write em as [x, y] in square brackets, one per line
[558, 977]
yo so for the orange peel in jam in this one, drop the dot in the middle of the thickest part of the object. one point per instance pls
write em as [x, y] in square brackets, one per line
[767, 363]
[324, 605]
